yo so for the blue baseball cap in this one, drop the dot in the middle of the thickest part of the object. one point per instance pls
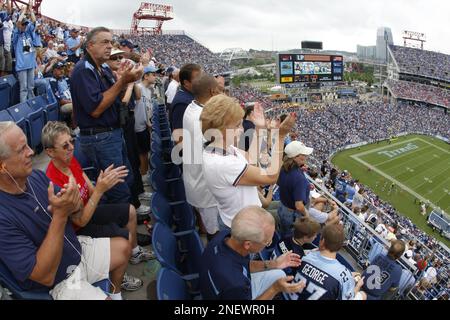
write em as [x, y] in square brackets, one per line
[150, 69]
[128, 43]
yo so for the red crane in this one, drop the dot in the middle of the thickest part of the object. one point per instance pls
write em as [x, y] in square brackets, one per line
[152, 12]
[35, 4]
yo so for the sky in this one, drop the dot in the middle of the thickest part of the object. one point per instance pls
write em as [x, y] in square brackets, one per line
[275, 24]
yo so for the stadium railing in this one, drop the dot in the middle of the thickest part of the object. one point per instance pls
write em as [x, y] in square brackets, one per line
[363, 244]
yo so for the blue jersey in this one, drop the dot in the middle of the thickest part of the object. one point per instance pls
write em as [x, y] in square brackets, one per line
[288, 244]
[326, 279]
[376, 285]
[341, 187]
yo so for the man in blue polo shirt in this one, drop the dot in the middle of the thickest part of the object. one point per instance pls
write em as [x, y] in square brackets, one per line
[73, 44]
[96, 105]
[383, 275]
[227, 272]
[188, 74]
[37, 242]
[341, 187]
[25, 54]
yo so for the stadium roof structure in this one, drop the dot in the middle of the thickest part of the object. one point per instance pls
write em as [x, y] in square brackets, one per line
[36, 4]
[153, 12]
[232, 54]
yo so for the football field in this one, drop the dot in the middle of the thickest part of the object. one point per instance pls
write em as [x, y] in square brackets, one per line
[411, 169]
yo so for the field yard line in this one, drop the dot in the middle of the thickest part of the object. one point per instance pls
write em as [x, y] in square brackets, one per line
[405, 164]
[420, 185]
[407, 189]
[446, 151]
[400, 156]
[445, 195]
[385, 147]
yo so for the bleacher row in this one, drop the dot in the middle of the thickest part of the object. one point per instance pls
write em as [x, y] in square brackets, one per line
[30, 116]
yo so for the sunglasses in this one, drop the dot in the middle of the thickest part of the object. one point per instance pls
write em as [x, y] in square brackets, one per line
[116, 58]
[67, 145]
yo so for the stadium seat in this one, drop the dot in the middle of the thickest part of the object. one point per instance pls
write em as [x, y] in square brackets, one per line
[40, 103]
[171, 286]
[5, 116]
[167, 169]
[5, 93]
[172, 189]
[180, 216]
[35, 120]
[185, 261]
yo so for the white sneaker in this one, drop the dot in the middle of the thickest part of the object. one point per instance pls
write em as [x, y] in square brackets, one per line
[146, 196]
[146, 180]
[143, 210]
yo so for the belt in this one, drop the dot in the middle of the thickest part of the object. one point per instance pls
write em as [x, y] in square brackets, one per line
[94, 131]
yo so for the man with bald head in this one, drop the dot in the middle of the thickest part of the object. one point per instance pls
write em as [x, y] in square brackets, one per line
[383, 275]
[197, 192]
[229, 274]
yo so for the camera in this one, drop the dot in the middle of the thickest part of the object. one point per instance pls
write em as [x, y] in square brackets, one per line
[27, 49]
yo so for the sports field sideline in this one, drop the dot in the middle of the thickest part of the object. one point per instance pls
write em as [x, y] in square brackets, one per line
[418, 166]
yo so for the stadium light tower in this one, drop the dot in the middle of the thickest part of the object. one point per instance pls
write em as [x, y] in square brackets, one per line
[152, 12]
[35, 4]
[411, 39]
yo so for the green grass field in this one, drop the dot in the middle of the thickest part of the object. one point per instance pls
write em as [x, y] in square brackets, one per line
[419, 166]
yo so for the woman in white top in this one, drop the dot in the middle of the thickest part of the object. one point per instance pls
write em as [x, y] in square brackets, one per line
[229, 172]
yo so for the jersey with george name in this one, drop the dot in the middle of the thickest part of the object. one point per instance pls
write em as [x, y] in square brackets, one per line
[325, 278]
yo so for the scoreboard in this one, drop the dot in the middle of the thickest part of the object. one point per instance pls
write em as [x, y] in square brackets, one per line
[294, 68]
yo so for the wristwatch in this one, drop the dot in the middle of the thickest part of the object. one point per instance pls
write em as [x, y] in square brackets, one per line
[266, 265]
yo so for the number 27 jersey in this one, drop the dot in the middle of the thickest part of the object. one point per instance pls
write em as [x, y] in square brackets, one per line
[326, 279]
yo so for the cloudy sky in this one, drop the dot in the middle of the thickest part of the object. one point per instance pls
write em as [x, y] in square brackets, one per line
[277, 24]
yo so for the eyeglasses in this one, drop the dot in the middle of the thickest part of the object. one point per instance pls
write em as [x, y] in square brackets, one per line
[116, 58]
[67, 145]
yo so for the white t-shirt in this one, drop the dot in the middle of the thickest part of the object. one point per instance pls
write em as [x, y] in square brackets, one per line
[222, 171]
[197, 192]
[319, 216]
[382, 230]
[172, 91]
[8, 27]
[51, 53]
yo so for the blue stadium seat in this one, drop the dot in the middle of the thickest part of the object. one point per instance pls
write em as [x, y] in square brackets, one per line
[35, 120]
[5, 93]
[171, 286]
[180, 215]
[15, 93]
[40, 103]
[172, 189]
[185, 261]
[5, 116]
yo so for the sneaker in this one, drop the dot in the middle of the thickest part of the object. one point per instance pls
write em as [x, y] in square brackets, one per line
[130, 283]
[146, 180]
[142, 255]
[144, 240]
[145, 197]
[143, 210]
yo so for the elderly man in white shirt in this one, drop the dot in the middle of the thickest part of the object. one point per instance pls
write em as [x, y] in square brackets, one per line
[173, 86]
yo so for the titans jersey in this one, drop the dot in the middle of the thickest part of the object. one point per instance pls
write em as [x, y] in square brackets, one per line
[326, 279]
[341, 187]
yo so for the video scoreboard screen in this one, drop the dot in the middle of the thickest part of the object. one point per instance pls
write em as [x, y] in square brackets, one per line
[295, 68]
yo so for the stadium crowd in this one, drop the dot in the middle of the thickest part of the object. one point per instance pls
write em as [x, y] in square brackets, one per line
[421, 62]
[420, 92]
[175, 50]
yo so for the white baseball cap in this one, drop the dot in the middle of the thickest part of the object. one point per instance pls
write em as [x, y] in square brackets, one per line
[297, 148]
